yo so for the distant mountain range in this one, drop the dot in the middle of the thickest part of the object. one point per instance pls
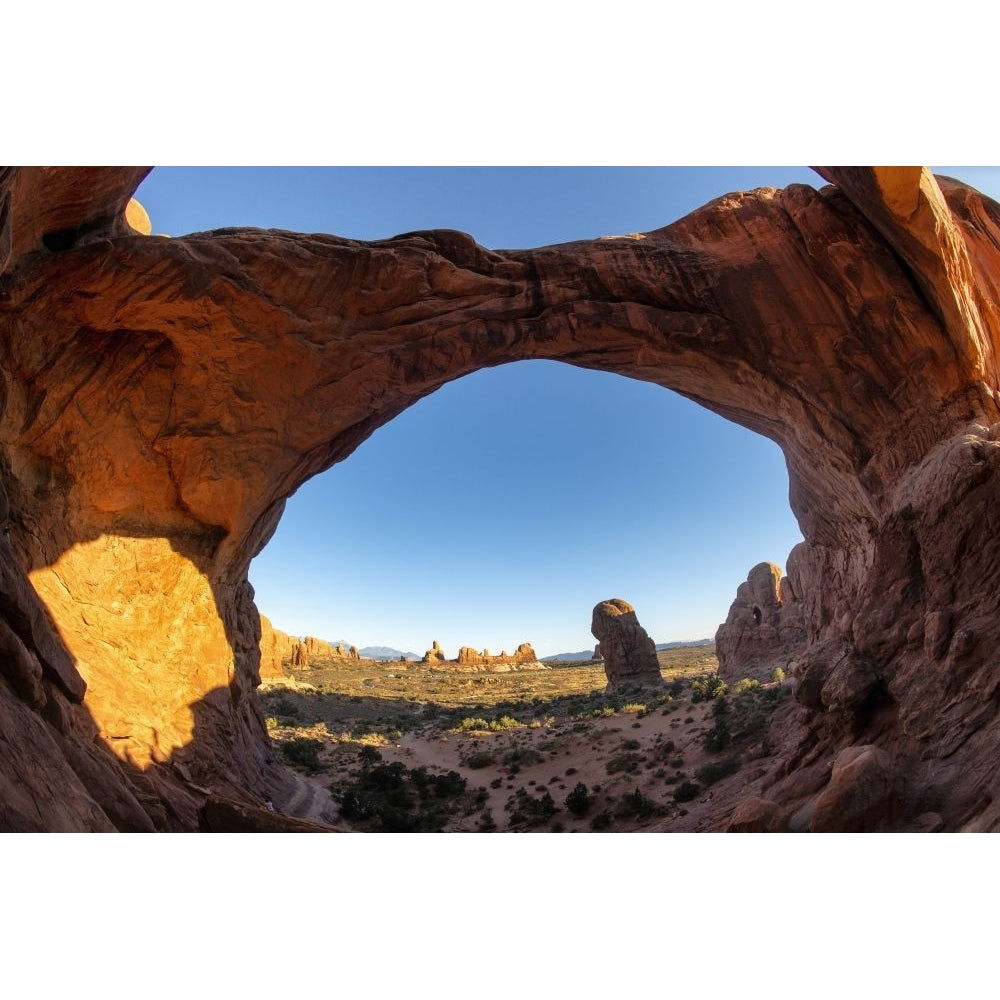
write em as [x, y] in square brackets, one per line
[378, 652]
[586, 654]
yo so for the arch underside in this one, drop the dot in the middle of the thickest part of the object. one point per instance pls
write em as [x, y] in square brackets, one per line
[162, 398]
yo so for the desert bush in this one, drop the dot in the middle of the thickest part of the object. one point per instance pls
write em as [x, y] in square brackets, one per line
[718, 737]
[631, 744]
[504, 722]
[778, 675]
[636, 806]
[713, 771]
[531, 811]
[604, 712]
[708, 687]
[628, 762]
[745, 685]
[686, 791]
[447, 786]
[482, 758]
[303, 751]
[634, 706]
[518, 758]
[473, 724]
[602, 821]
[391, 798]
[578, 801]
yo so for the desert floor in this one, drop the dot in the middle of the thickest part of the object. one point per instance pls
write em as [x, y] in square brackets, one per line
[408, 747]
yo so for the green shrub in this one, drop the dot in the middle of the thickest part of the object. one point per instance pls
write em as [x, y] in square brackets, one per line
[686, 791]
[636, 806]
[529, 811]
[708, 687]
[718, 737]
[744, 685]
[390, 798]
[602, 821]
[628, 762]
[482, 758]
[473, 724]
[303, 751]
[516, 759]
[578, 801]
[504, 722]
[713, 771]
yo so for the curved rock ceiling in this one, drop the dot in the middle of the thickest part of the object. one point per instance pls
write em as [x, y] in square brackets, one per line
[162, 397]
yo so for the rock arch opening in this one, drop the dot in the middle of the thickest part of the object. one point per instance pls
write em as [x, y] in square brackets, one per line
[502, 507]
[164, 397]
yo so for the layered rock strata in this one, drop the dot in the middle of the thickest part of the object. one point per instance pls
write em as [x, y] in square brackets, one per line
[628, 652]
[161, 398]
[765, 628]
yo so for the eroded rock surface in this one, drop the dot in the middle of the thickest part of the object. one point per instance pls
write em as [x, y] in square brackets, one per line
[628, 652]
[765, 628]
[161, 398]
[276, 649]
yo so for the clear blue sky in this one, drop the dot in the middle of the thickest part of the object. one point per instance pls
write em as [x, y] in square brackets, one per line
[504, 506]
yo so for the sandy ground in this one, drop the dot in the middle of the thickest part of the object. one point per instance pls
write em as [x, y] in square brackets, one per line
[613, 757]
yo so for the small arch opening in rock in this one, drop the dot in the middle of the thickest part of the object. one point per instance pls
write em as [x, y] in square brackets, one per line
[60, 240]
[758, 616]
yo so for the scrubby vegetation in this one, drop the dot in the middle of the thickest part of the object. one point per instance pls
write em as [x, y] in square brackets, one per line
[396, 799]
[515, 734]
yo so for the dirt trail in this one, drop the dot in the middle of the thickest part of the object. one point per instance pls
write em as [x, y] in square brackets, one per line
[307, 799]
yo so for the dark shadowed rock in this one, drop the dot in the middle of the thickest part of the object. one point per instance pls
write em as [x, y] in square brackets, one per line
[757, 815]
[862, 796]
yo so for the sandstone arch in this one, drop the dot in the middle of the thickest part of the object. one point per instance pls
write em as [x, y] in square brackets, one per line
[161, 398]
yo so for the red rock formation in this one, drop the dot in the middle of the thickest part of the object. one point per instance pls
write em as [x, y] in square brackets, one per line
[628, 652]
[467, 656]
[276, 649]
[162, 397]
[434, 655]
[765, 627]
